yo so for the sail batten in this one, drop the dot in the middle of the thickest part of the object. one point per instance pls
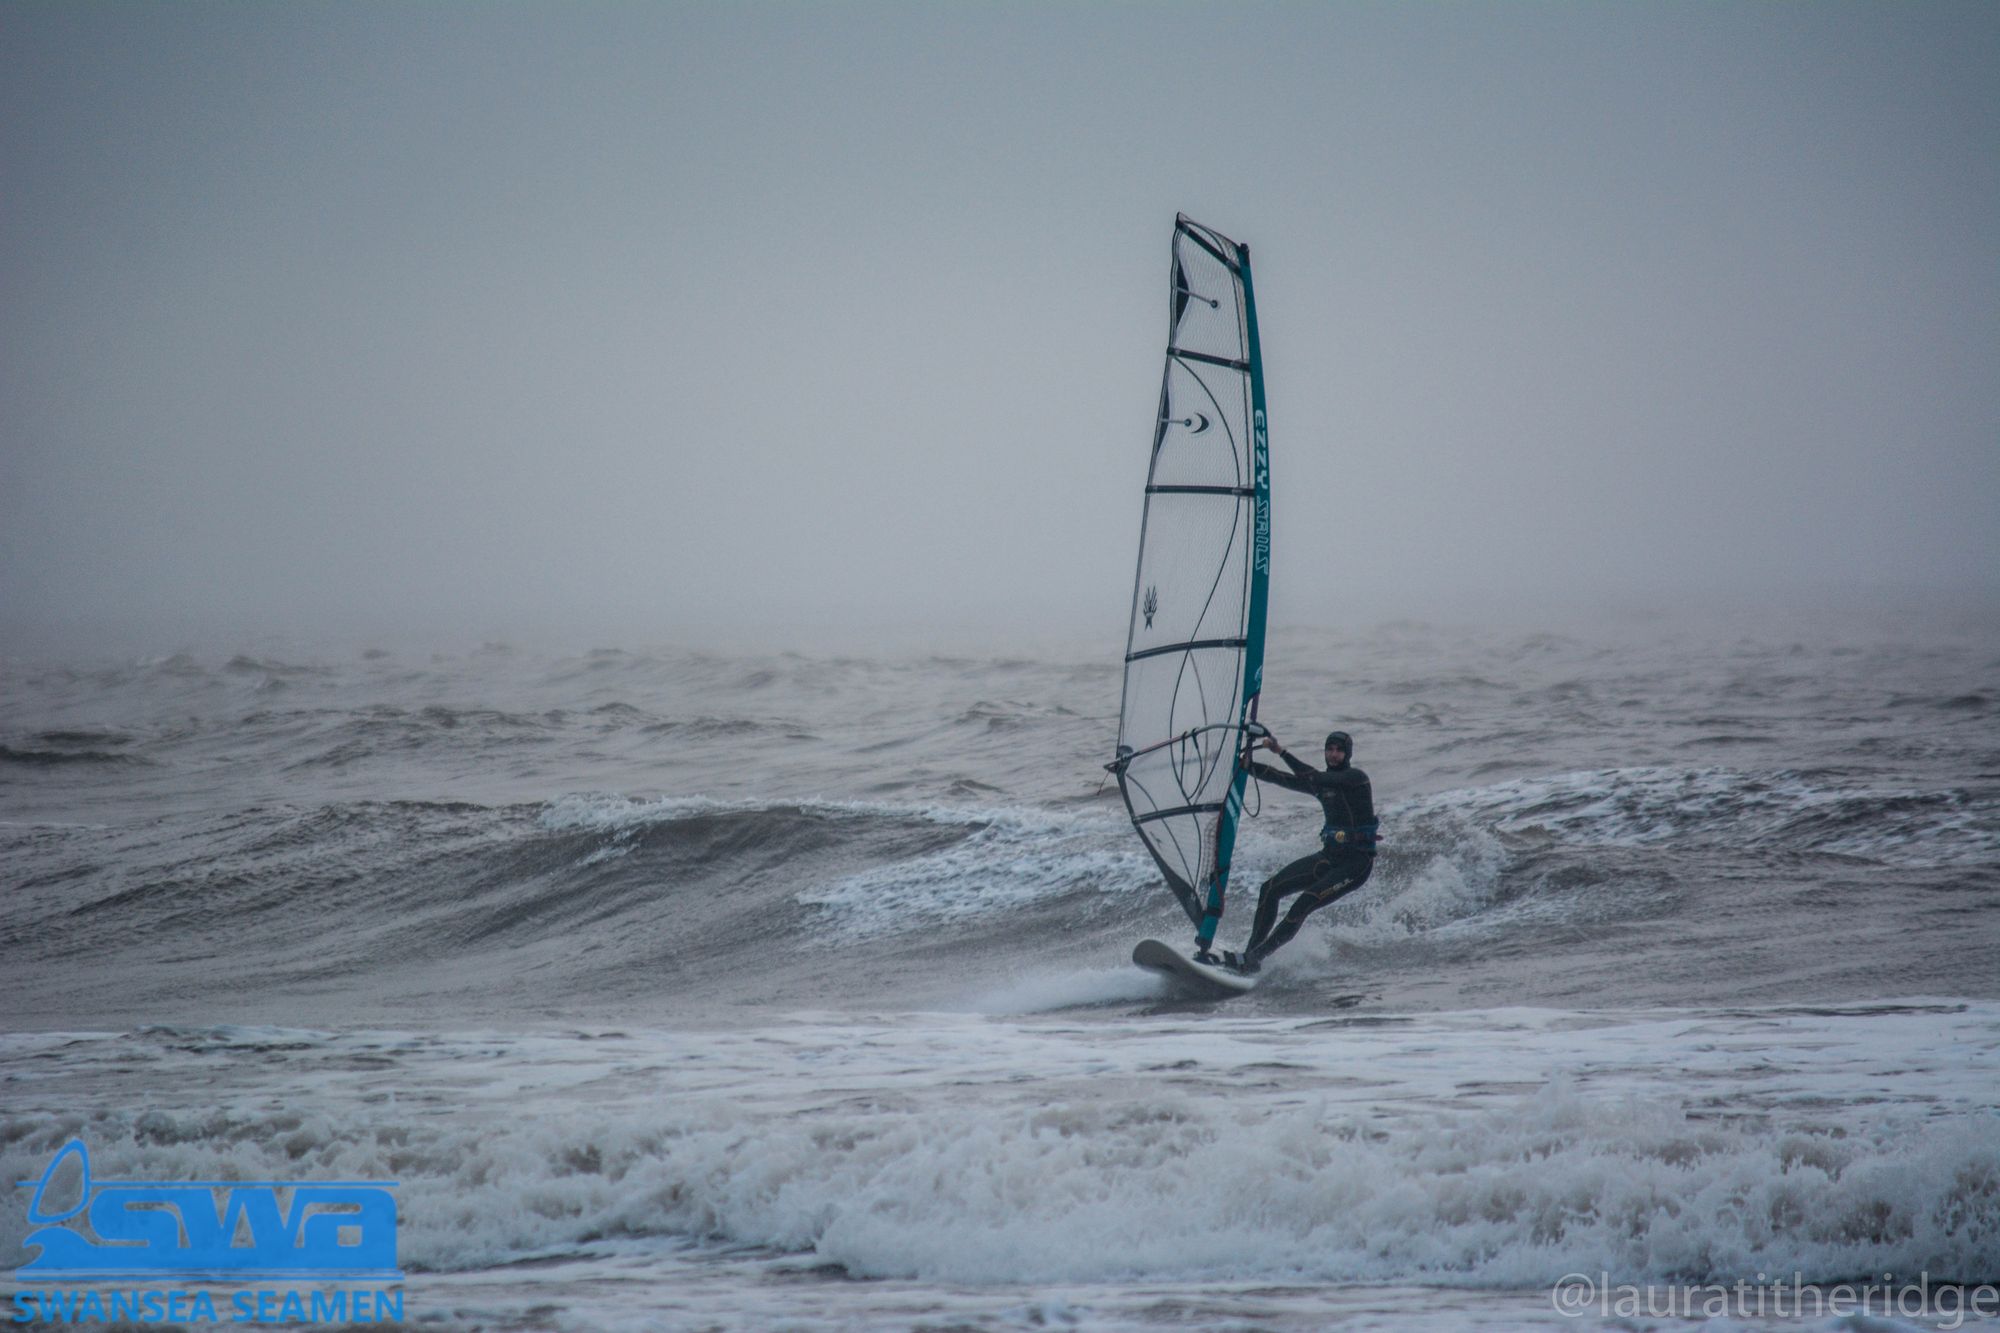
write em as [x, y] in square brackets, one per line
[1194, 650]
[1185, 647]
[1208, 360]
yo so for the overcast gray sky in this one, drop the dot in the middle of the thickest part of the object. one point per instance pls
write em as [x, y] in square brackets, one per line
[634, 318]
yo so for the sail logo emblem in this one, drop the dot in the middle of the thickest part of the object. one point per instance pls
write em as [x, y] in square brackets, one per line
[1150, 605]
[1263, 463]
[326, 1230]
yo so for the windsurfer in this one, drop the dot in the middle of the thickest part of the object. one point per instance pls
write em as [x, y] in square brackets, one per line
[1338, 868]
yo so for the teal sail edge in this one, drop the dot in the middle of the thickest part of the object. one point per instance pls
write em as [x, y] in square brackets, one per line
[1260, 590]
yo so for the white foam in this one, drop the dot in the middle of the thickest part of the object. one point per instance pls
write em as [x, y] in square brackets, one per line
[1000, 868]
[1040, 992]
[1502, 1148]
[1013, 857]
[1457, 877]
[1637, 807]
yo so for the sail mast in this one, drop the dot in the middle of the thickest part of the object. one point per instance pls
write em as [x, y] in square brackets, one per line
[1260, 590]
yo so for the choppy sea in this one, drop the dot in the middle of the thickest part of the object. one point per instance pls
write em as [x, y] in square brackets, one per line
[681, 990]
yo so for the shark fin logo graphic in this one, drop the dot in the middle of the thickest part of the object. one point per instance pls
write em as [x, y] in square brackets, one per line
[323, 1229]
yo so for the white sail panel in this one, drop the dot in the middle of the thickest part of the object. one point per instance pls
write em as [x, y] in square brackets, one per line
[1197, 587]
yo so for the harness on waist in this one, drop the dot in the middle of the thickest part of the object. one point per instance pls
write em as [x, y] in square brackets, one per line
[1363, 835]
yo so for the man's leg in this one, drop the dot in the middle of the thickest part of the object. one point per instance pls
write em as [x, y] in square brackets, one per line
[1300, 875]
[1337, 879]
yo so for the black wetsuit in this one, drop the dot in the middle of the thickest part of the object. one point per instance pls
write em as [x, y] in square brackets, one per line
[1338, 868]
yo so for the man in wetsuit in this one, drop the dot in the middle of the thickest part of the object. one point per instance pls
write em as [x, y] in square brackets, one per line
[1338, 868]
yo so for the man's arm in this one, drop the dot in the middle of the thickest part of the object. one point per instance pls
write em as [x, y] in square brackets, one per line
[1277, 778]
[1299, 779]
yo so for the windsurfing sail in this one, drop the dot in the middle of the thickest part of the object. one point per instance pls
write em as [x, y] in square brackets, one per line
[1194, 656]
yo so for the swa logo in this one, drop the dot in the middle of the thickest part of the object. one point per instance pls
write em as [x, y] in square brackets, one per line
[330, 1230]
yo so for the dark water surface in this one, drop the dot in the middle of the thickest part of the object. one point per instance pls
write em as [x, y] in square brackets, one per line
[684, 990]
